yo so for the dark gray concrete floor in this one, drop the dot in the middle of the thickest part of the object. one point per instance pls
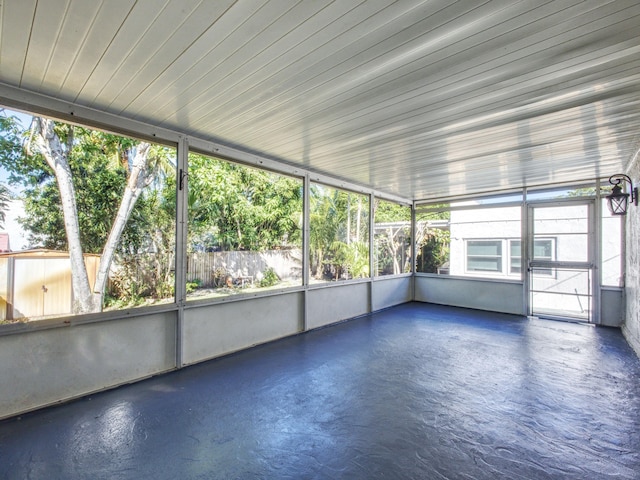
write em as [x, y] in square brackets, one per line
[415, 392]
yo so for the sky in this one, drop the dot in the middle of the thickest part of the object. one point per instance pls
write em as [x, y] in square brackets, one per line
[17, 238]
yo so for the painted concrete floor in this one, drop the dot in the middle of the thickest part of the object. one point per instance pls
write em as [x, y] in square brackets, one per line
[415, 392]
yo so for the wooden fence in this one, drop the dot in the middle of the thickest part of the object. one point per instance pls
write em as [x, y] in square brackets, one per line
[209, 267]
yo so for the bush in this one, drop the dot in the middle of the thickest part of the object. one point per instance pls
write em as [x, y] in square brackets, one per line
[192, 286]
[270, 278]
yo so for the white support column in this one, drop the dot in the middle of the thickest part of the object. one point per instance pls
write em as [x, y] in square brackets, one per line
[371, 248]
[414, 250]
[181, 242]
[306, 230]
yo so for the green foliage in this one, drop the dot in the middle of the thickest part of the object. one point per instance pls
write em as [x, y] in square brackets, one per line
[392, 237]
[349, 260]
[233, 207]
[432, 237]
[5, 197]
[386, 212]
[99, 185]
[100, 165]
[433, 252]
[339, 228]
[269, 279]
[193, 285]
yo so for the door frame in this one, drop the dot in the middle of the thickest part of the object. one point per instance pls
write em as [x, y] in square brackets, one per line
[591, 265]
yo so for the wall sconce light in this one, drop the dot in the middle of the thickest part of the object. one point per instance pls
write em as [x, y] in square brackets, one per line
[617, 200]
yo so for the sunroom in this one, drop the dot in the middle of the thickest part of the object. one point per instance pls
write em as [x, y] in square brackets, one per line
[184, 180]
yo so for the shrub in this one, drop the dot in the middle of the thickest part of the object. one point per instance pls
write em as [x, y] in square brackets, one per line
[270, 278]
[194, 285]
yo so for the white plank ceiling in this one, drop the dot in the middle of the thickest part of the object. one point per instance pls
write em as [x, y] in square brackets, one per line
[416, 98]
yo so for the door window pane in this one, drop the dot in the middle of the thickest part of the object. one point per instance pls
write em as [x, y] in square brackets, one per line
[569, 225]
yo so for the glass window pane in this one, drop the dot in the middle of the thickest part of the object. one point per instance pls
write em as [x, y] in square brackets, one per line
[245, 229]
[543, 250]
[611, 248]
[338, 234]
[484, 247]
[515, 248]
[101, 239]
[467, 242]
[432, 242]
[484, 264]
[484, 255]
[515, 256]
[392, 238]
[577, 191]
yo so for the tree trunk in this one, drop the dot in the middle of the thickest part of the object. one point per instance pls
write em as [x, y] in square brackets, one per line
[49, 145]
[139, 178]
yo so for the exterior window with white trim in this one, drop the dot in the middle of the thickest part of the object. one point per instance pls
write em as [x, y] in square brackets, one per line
[484, 256]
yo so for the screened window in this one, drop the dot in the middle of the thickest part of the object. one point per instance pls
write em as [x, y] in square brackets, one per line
[468, 238]
[433, 239]
[392, 238]
[245, 229]
[611, 238]
[484, 255]
[338, 234]
[99, 239]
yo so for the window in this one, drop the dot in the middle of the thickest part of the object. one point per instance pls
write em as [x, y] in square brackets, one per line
[467, 238]
[433, 239]
[515, 257]
[101, 239]
[245, 229]
[611, 244]
[338, 234]
[484, 255]
[543, 249]
[392, 238]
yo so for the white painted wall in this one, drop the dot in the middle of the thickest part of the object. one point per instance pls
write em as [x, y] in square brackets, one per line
[387, 292]
[213, 330]
[495, 296]
[47, 366]
[331, 304]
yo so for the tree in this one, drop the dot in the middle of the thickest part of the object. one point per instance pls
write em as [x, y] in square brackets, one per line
[433, 238]
[4, 202]
[233, 207]
[83, 183]
[392, 236]
[338, 235]
[10, 148]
